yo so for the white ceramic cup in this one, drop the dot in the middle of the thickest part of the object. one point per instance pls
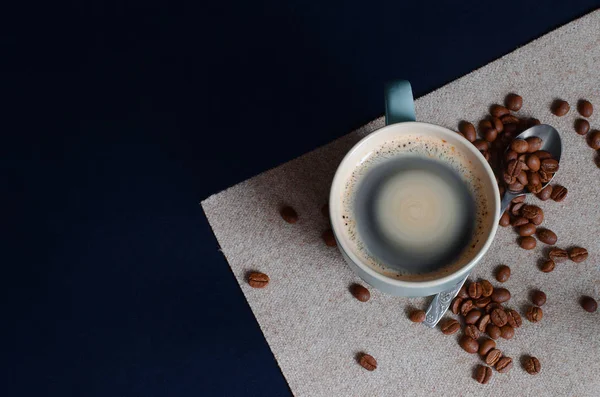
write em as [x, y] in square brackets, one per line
[364, 148]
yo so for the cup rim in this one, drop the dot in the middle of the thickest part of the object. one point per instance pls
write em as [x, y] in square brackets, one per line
[336, 223]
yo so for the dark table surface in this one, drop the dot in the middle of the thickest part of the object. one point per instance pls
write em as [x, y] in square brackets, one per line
[120, 118]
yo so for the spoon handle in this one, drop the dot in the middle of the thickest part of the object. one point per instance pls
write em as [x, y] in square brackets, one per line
[441, 302]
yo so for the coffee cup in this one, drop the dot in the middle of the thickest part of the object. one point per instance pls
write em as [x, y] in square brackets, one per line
[405, 139]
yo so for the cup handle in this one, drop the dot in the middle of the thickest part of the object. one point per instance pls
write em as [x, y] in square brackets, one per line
[399, 102]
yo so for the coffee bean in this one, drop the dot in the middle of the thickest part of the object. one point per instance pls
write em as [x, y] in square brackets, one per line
[329, 238]
[486, 288]
[522, 178]
[483, 322]
[518, 199]
[497, 124]
[546, 193]
[472, 331]
[490, 308]
[527, 242]
[472, 316]
[498, 110]
[507, 332]
[469, 344]
[493, 357]
[547, 266]
[504, 365]
[533, 122]
[258, 280]
[533, 162]
[483, 302]
[486, 155]
[510, 155]
[360, 292]
[547, 236]
[500, 295]
[520, 221]
[513, 318]
[582, 126]
[538, 298]
[481, 145]
[545, 177]
[542, 154]
[535, 314]
[474, 290]
[466, 307]
[513, 169]
[468, 130]
[498, 317]
[578, 254]
[522, 158]
[533, 178]
[486, 346]
[589, 304]
[417, 316]
[526, 230]
[289, 214]
[538, 219]
[502, 273]
[513, 102]
[516, 209]
[462, 293]
[519, 146]
[594, 139]
[368, 362]
[509, 119]
[585, 108]
[532, 365]
[549, 165]
[455, 306]
[493, 331]
[484, 125]
[558, 255]
[483, 374]
[504, 219]
[516, 187]
[534, 144]
[450, 326]
[490, 134]
[560, 108]
[530, 211]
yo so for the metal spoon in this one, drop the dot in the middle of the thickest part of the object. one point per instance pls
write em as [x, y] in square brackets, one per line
[552, 144]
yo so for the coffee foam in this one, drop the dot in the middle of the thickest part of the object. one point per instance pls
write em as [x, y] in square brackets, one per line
[425, 147]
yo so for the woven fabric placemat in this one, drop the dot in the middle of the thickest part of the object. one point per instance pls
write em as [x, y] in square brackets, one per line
[315, 328]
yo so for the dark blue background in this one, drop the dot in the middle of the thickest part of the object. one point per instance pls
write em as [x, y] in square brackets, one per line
[120, 118]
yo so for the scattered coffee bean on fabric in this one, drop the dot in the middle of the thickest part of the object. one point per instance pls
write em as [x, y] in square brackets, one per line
[527, 229]
[558, 255]
[499, 317]
[462, 293]
[504, 219]
[582, 126]
[493, 331]
[578, 254]
[500, 295]
[417, 316]
[538, 298]
[466, 307]
[559, 193]
[504, 365]
[455, 306]
[547, 236]
[527, 242]
[472, 331]
[589, 304]
[486, 346]
[503, 272]
[498, 111]
[468, 130]
[513, 102]
[483, 323]
[450, 326]
[472, 316]
[258, 280]
[520, 221]
[368, 362]
[474, 290]
[493, 357]
[535, 314]
[289, 214]
[469, 344]
[507, 332]
[359, 292]
[483, 374]
[532, 365]
[547, 266]
[483, 302]
[546, 193]
[585, 108]
[513, 318]
[560, 108]
[593, 139]
[486, 288]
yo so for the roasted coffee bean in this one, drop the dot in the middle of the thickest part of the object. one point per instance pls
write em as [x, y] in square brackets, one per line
[483, 302]
[522, 158]
[289, 214]
[507, 332]
[558, 255]
[532, 365]
[534, 144]
[486, 346]
[513, 169]
[545, 177]
[535, 314]
[533, 122]
[518, 199]
[486, 288]
[547, 266]
[498, 317]
[359, 292]
[474, 290]
[500, 295]
[483, 374]
[493, 357]
[585, 108]
[549, 165]
[329, 238]
[481, 145]
[538, 219]
[484, 125]
[516, 187]
[582, 126]
[472, 331]
[513, 102]
[509, 119]
[455, 306]
[497, 124]
[258, 280]
[538, 298]
[466, 307]
[486, 155]
[589, 304]
[472, 316]
[504, 365]
[510, 155]
[498, 110]
[535, 189]
[520, 221]
[519, 146]
[504, 219]
[494, 305]
[490, 134]
[462, 292]
[469, 344]
[483, 322]
[468, 130]
[578, 254]
[450, 326]
[368, 362]
[547, 236]
[546, 193]
[593, 139]
[533, 162]
[522, 178]
[417, 316]
[533, 178]
[493, 331]
[527, 242]
[542, 154]
[560, 107]
[526, 230]
[502, 273]
[513, 318]
[530, 211]
[516, 209]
